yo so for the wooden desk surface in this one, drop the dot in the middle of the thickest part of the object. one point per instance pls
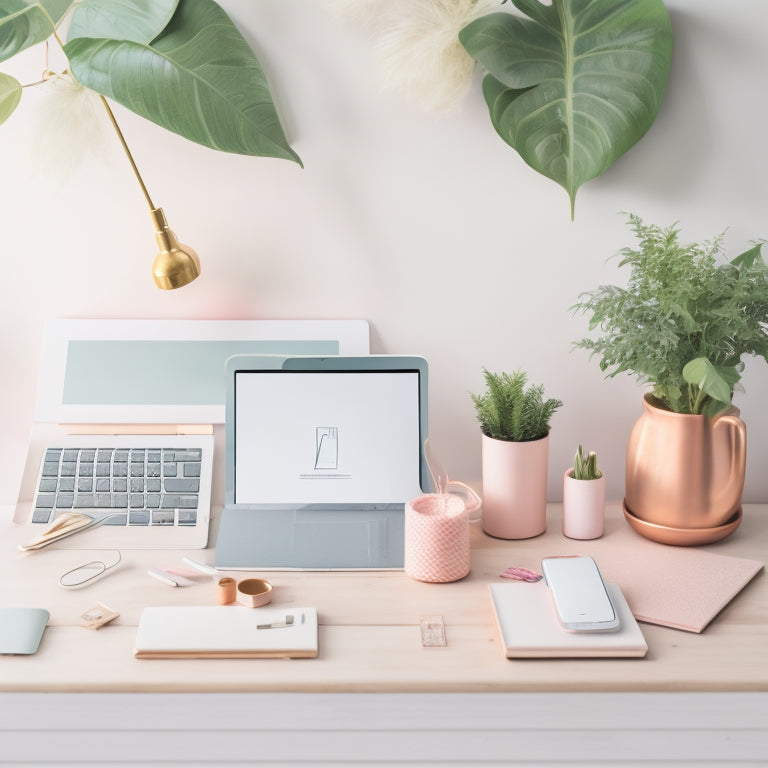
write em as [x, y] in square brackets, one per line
[369, 633]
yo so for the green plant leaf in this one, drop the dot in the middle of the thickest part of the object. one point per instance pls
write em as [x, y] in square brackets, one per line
[701, 373]
[10, 95]
[713, 408]
[751, 257]
[140, 21]
[586, 80]
[23, 24]
[199, 79]
[498, 98]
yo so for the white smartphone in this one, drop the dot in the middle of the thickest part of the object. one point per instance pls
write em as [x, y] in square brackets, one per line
[581, 601]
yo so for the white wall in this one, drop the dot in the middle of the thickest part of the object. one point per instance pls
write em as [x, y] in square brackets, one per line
[426, 224]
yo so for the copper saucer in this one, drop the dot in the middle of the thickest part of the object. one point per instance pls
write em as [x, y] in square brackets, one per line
[682, 537]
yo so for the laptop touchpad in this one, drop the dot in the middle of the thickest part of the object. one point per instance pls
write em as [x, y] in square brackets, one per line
[333, 540]
[318, 539]
[318, 544]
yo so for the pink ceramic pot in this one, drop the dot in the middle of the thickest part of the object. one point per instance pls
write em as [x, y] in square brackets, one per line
[515, 487]
[583, 507]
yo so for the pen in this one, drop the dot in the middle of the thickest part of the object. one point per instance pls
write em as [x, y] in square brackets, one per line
[203, 567]
[162, 577]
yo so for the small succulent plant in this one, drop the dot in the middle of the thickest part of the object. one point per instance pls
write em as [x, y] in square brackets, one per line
[585, 466]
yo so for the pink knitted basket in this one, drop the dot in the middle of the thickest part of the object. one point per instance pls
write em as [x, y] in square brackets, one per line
[436, 538]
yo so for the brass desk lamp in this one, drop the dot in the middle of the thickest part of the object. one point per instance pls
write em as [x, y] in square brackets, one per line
[176, 264]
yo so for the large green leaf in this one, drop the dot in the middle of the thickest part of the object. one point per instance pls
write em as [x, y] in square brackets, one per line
[711, 381]
[23, 24]
[576, 84]
[140, 21]
[10, 95]
[753, 257]
[199, 79]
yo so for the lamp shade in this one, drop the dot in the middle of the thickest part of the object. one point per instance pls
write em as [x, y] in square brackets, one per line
[176, 264]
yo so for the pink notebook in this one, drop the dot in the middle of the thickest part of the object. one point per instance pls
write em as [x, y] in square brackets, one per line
[679, 587]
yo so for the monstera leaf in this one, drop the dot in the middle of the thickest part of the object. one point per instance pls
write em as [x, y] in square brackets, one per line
[575, 84]
[23, 24]
[140, 21]
[198, 78]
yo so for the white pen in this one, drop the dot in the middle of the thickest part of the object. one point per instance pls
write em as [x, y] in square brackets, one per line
[162, 577]
[202, 567]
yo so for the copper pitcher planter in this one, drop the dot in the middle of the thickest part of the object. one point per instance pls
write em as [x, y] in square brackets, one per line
[685, 473]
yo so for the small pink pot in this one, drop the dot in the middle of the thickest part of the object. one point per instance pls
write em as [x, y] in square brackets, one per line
[583, 507]
[515, 487]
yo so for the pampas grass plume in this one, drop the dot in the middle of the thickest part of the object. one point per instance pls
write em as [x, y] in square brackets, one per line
[69, 124]
[417, 44]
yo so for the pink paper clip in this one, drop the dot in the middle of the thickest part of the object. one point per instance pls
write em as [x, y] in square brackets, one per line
[520, 574]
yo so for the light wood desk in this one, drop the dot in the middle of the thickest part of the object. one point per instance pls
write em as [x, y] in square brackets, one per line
[375, 692]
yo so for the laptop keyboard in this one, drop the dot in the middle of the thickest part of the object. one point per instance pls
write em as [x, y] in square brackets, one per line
[128, 486]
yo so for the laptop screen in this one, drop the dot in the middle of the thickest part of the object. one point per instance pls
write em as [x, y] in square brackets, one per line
[327, 436]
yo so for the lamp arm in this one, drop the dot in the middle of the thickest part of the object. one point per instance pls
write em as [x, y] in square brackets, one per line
[112, 119]
[127, 152]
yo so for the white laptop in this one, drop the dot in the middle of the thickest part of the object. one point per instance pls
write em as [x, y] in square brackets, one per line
[126, 416]
[322, 454]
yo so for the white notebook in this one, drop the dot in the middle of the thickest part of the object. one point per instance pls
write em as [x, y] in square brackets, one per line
[226, 632]
[529, 628]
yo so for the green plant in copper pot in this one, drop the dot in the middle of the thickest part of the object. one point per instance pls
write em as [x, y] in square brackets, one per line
[682, 324]
[684, 320]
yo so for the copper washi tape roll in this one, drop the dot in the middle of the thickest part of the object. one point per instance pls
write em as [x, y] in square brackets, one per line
[226, 591]
[254, 592]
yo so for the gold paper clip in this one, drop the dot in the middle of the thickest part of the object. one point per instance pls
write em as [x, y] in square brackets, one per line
[275, 624]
